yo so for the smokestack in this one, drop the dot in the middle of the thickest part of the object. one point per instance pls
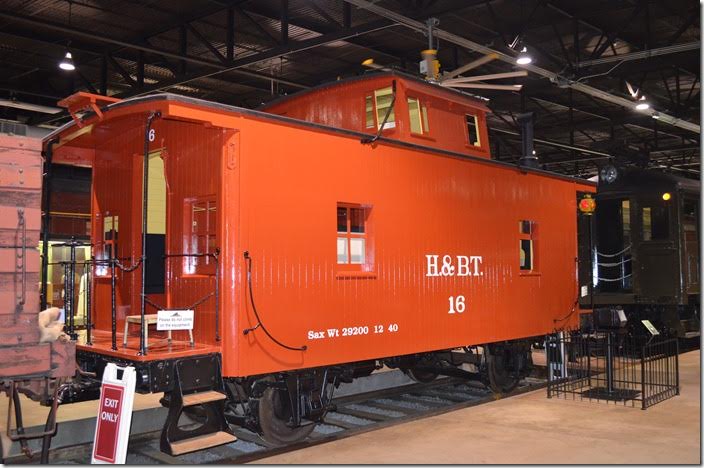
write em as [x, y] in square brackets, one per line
[528, 158]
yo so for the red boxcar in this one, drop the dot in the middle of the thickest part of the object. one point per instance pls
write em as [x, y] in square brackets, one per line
[361, 249]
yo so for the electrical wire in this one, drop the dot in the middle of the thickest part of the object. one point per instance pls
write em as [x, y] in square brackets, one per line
[260, 324]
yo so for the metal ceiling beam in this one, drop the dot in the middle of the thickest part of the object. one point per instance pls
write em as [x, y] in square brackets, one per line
[556, 144]
[643, 54]
[596, 28]
[147, 49]
[552, 76]
[260, 9]
[274, 52]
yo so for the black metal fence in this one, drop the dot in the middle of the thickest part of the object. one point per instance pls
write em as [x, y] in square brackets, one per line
[612, 367]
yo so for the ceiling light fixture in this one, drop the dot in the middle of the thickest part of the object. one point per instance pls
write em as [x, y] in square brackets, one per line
[67, 62]
[524, 57]
[642, 104]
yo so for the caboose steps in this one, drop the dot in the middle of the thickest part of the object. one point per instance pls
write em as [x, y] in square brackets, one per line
[200, 398]
[201, 442]
[197, 382]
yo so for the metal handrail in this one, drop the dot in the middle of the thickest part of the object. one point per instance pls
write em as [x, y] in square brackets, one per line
[614, 279]
[622, 264]
[615, 263]
[615, 254]
[116, 264]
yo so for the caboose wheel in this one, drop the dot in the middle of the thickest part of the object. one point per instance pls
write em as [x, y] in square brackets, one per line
[502, 372]
[422, 376]
[274, 414]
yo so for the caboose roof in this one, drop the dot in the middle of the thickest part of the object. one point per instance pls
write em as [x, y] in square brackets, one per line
[72, 136]
[341, 85]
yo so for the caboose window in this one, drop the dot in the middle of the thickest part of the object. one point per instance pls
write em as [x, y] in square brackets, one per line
[201, 216]
[383, 99]
[369, 111]
[351, 235]
[526, 245]
[418, 116]
[111, 224]
[472, 130]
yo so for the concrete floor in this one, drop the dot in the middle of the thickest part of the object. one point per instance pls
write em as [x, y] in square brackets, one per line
[532, 429]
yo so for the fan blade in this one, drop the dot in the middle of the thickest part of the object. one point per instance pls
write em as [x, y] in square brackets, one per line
[465, 68]
[495, 76]
[484, 86]
[634, 93]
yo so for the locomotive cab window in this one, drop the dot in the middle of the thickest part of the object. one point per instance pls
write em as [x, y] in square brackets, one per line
[472, 130]
[352, 234]
[417, 116]
[526, 245]
[655, 222]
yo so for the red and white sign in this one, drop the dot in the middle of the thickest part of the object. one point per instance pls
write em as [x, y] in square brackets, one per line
[112, 429]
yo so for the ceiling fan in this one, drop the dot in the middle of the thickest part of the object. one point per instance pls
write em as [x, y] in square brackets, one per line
[452, 79]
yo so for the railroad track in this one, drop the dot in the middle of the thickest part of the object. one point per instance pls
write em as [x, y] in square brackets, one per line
[352, 415]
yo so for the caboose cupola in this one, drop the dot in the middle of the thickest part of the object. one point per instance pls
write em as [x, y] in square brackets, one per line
[396, 107]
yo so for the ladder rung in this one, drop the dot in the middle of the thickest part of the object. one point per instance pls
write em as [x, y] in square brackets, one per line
[201, 442]
[202, 397]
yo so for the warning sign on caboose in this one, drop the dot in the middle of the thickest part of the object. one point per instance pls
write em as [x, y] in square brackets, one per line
[174, 320]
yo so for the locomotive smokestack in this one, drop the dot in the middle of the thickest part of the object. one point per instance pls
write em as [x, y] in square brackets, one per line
[528, 158]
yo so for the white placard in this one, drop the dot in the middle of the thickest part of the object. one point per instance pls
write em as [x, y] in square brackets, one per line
[174, 320]
[585, 291]
[112, 429]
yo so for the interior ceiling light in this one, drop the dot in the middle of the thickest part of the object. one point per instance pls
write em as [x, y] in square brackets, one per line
[642, 104]
[67, 62]
[523, 57]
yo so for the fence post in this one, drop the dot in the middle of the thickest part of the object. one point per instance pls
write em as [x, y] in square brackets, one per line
[589, 363]
[677, 364]
[642, 377]
[89, 297]
[113, 303]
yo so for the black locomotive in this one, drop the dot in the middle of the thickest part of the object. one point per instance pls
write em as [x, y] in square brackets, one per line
[639, 250]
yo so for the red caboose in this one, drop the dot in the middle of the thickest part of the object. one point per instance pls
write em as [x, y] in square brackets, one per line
[359, 223]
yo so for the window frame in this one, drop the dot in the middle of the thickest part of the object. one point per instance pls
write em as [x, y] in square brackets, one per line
[469, 143]
[653, 205]
[532, 237]
[349, 269]
[373, 96]
[103, 270]
[200, 267]
[423, 118]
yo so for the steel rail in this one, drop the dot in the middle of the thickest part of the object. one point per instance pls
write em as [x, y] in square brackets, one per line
[411, 403]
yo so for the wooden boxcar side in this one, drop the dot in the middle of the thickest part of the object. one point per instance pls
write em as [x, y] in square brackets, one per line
[21, 354]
